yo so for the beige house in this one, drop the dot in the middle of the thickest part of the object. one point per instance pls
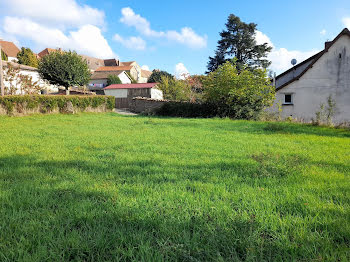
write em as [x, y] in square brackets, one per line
[131, 68]
[303, 89]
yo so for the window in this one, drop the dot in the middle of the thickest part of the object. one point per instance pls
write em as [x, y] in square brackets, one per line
[288, 99]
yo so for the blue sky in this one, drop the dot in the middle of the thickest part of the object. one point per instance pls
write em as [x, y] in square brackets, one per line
[170, 35]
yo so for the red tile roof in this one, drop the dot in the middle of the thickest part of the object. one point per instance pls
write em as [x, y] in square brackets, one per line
[9, 48]
[128, 86]
[46, 51]
[113, 68]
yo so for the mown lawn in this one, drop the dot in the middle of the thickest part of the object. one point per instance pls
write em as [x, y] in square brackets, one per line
[105, 187]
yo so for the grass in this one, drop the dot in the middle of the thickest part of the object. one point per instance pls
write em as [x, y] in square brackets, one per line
[105, 187]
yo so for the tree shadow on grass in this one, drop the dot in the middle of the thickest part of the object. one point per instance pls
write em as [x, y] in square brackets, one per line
[49, 212]
[250, 127]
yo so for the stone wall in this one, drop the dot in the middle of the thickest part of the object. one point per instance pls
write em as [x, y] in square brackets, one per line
[145, 105]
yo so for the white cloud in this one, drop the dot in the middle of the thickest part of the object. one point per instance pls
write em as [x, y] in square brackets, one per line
[346, 22]
[323, 32]
[53, 12]
[135, 43]
[281, 57]
[187, 36]
[181, 71]
[86, 40]
[145, 67]
[261, 38]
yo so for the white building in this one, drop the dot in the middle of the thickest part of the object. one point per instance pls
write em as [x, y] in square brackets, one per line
[98, 79]
[124, 93]
[26, 71]
[304, 88]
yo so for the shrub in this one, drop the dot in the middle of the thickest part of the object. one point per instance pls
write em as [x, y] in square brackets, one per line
[27, 57]
[187, 109]
[157, 75]
[50, 103]
[239, 95]
[113, 79]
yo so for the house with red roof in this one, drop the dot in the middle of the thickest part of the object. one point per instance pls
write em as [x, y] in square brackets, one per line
[10, 49]
[124, 93]
[305, 90]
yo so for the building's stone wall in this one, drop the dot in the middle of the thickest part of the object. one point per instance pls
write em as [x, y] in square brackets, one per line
[145, 105]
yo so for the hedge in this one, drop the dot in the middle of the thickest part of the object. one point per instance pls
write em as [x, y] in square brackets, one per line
[187, 109]
[48, 103]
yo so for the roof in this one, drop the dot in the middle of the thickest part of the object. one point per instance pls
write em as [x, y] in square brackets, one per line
[145, 73]
[111, 62]
[22, 67]
[114, 68]
[128, 86]
[92, 62]
[9, 48]
[104, 74]
[299, 70]
[127, 63]
[46, 51]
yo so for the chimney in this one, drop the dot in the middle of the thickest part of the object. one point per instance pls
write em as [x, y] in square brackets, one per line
[327, 44]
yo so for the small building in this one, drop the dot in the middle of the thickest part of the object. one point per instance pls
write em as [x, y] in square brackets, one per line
[125, 93]
[99, 80]
[10, 49]
[24, 70]
[303, 89]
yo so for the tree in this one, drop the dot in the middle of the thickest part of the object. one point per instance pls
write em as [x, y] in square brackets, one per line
[238, 41]
[157, 75]
[64, 68]
[3, 55]
[113, 79]
[241, 94]
[177, 90]
[27, 57]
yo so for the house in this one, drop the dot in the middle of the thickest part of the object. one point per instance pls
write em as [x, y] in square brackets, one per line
[303, 89]
[99, 80]
[132, 68]
[47, 51]
[94, 63]
[124, 93]
[24, 70]
[10, 49]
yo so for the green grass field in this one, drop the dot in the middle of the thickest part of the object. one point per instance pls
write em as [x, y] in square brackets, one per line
[105, 187]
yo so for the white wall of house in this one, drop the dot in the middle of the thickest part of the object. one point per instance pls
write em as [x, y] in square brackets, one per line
[124, 78]
[35, 78]
[117, 93]
[329, 76]
[156, 94]
[12, 59]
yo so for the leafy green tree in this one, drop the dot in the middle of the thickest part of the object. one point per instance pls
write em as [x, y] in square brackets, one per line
[27, 57]
[156, 76]
[177, 90]
[64, 68]
[238, 41]
[241, 94]
[113, 79]
[3, 56]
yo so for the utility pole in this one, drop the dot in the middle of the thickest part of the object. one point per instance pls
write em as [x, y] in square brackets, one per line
[1, 75]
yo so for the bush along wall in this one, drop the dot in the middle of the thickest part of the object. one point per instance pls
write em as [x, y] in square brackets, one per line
[23, 105]
[187, 109]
